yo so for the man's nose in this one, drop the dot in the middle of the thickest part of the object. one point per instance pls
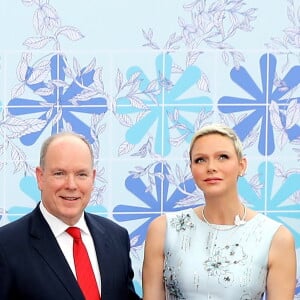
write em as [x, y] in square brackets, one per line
[70, 181]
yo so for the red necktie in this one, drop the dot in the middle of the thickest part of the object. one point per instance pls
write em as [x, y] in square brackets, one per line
[84, 271]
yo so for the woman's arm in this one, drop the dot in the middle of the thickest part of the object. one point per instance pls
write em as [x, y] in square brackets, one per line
[281, 280]
[153, 265]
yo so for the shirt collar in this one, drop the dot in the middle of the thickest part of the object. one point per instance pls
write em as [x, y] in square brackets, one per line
[58, 226]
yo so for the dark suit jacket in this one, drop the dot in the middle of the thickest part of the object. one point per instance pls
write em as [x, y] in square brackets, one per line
[33, 267]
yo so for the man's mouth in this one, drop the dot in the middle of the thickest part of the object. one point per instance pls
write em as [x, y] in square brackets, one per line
[70, 198]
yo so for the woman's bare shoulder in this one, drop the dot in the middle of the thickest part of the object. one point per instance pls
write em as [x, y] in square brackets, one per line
[283, 237]
[159, 223]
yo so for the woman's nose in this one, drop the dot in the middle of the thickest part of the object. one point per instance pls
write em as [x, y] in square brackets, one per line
[211, 167]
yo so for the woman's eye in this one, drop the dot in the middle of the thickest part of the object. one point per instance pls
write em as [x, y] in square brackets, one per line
[223, 156]
[199, 160]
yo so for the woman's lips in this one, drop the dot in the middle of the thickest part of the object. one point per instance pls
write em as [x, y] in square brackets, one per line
[212, 180]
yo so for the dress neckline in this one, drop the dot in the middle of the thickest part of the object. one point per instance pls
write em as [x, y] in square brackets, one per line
[222, 227]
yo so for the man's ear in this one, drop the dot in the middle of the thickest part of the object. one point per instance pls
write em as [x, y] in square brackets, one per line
[39, 177]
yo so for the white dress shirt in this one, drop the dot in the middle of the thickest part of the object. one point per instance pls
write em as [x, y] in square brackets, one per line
[65, 241]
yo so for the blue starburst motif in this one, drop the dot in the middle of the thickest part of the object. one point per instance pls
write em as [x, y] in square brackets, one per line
[262, 101]
[277, 204]
[29, 186]
[163, 200]
[165, 103]
[61, 104]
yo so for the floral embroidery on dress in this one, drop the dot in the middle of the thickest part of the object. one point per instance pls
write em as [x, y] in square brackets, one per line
[182, 222]
[201, 263]
[171, 281]
[218, 264]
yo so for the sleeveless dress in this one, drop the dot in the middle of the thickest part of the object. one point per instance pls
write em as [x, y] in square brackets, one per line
[223, 263]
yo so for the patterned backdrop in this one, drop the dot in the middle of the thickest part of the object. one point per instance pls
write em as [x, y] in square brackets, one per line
[137, 78]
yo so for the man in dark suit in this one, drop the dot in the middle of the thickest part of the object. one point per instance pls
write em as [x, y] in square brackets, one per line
[36, 252]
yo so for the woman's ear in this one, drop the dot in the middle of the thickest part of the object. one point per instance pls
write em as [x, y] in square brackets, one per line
[243, 166]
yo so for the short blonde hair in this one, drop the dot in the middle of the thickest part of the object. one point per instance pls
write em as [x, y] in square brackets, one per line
[222, 130]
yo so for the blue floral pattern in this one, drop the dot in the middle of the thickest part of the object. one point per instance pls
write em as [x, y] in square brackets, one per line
[273, 108]
[154, 201]
[161, 102]
[59, 101]
[150, 119]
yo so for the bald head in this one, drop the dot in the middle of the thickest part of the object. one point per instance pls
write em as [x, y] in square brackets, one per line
[62, 135]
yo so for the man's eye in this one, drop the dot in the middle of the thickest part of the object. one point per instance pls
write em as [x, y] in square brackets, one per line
[82, 174]
[58, 173]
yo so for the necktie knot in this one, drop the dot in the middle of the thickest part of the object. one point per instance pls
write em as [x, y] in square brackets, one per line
[74, 232]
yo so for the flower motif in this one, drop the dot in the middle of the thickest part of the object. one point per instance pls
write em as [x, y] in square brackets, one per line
[171, 281]
[59, 101]
[268, 107]
[182, 222]
[164, 104]
[226, 279]
[215, 265]
[153, 204]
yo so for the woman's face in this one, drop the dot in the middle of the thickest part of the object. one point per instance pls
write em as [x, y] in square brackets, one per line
[215, 165]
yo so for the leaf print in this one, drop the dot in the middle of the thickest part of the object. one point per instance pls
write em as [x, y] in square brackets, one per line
[70, 32]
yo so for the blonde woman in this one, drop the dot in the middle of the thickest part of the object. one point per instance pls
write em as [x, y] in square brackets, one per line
[222, 250]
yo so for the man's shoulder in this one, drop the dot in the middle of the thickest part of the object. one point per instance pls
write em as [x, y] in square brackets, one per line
[103, 221]
[11, 233]
[16, 224]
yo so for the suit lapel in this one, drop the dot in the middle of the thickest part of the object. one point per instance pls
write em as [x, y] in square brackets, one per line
[103, 251]
[46, 245]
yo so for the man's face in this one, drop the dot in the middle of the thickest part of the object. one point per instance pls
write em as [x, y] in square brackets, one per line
[67, 179]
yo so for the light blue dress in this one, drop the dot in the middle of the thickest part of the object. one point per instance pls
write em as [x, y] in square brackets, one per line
[228, 263]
